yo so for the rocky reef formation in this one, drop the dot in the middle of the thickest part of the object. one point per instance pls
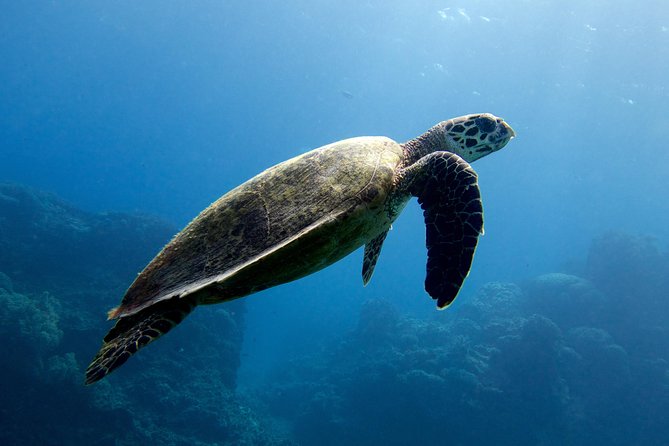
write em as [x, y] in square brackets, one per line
[562, 360]
[46, 243]
[62, 268]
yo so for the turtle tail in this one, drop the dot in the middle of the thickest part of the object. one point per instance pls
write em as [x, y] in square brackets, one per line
[134, 332]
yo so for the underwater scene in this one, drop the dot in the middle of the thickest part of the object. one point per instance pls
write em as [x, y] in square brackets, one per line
[543, 122]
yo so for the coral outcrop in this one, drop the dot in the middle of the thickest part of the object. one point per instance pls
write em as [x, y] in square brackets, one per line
[61, 269]
[556, 362]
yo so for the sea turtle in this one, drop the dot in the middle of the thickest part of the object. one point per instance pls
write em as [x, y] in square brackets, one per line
[308, 212]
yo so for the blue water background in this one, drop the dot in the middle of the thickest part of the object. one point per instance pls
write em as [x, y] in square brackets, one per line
[163, 106]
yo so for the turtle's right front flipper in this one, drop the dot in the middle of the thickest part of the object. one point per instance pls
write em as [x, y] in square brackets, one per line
[448, 192]
[134, 332]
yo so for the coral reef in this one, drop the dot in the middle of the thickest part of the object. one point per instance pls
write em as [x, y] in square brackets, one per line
[562, 359]
[567, 300]
[47, 244]
[633, 273]
[552, 363]
[61, 269]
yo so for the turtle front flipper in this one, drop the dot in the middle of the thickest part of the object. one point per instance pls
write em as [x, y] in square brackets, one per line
[448, 192]
[134, 332]
[372, 251]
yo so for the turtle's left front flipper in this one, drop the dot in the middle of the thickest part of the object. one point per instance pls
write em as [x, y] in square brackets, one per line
[447, 190]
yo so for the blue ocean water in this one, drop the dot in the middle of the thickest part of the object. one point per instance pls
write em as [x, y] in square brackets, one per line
[159, 107]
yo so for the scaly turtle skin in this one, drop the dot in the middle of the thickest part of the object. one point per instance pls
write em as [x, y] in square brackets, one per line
[308, 212]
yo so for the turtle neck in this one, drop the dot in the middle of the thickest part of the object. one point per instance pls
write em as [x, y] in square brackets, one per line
[431, 141]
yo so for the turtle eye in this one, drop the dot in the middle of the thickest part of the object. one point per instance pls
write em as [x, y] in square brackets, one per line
[486, 125]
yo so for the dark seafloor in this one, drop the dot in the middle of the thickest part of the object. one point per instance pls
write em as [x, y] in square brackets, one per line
[565, 358]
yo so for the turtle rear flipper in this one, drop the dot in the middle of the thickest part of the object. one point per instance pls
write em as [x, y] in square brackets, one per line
[133, 332]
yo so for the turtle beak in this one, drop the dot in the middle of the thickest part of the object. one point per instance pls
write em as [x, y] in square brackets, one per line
[503, 134]
[506, 130]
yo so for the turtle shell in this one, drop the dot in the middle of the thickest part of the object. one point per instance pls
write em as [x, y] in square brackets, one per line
[287, 222]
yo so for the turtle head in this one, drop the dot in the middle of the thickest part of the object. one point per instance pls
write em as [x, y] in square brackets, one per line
[475, 136]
